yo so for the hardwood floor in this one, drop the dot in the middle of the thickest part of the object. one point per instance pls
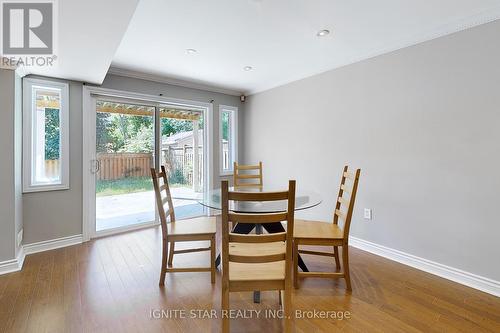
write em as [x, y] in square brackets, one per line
[111, 285]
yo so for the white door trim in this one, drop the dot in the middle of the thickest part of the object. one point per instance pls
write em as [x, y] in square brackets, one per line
[89, 93]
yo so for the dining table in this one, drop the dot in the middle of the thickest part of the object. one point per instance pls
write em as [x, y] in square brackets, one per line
[304, 199]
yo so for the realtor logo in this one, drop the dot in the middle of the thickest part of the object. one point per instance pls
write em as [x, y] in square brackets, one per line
[27, 28]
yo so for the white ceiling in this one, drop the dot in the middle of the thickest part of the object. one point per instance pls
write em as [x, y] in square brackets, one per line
[149, 38]
[89, 33]
[278, 37]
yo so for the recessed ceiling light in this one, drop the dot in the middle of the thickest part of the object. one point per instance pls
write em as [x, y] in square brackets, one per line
[323, 33]
[247, 68]
[191, 51]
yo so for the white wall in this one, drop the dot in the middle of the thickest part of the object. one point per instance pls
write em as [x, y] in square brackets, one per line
[18, 158]
[10, 177]
[422, 123]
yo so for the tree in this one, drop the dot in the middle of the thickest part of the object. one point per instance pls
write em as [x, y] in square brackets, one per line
[120, 132]
[102, 122]
[141, 142]
[170, 126]
[225, 126]
[138, 122]
[52, 134]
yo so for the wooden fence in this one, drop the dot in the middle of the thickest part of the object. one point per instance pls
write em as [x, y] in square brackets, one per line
[123, 165]
[225, 155]
[181, 158]
[52, 169]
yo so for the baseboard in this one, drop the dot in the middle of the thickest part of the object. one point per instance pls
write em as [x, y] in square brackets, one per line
[16, 264]
[52, 244]
[13, 265]
[468, 279]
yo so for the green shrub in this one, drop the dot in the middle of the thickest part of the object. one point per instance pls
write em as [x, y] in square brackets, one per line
[176, 177]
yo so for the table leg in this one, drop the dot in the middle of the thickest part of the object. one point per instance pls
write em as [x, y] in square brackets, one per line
[256, 297]
[217, 261]
[273, 228]
[256, 294]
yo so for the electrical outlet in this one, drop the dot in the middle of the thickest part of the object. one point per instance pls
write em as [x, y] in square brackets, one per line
[20, 237]
[368, 214]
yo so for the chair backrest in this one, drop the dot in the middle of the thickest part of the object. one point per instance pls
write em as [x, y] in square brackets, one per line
[346, 198]
[162, 194]
[248, 177]
[231, 216]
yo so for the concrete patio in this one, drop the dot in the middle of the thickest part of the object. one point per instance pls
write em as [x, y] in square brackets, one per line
[123, 210]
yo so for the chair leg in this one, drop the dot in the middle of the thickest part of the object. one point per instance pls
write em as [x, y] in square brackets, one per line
[345, 263]
[287, 307]
[171, 254]
[295, 265]
[163, 262]
[280, 301]
[212, 259]
[225, 308]
[336, 255]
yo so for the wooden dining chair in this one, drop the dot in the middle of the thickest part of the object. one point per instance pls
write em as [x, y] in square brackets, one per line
[257, 262]
[248, 177]
[189, 230]
[329, 234]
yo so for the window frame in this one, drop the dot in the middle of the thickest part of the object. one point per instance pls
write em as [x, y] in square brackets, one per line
[29, 113]
[233, 139]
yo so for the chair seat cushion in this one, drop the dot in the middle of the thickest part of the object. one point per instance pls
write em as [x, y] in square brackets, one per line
[316, 230]
[257, 272]
[194, 226]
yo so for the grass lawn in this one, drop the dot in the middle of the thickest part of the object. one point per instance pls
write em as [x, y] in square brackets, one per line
[126, 185]
[123, 186]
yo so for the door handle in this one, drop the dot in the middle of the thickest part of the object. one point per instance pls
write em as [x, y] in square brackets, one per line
[96, 166]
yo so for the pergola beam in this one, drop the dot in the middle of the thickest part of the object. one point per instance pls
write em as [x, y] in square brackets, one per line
[147, 111]
[49, 104]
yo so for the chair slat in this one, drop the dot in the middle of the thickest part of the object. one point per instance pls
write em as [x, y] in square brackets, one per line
[164, 200]
[257, 218]
[248, 185]
[257, 259]
[199, 249]
[253, 179]
[346, 188]
[258, 196]
[349, 175]
[340, 214]
[317, 253]
[163, 187]
[267, 238]
[343, 201]
[248, 167]
[248, 176]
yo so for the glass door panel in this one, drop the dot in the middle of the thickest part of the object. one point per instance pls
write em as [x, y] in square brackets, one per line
[125, 147]
[181, 152]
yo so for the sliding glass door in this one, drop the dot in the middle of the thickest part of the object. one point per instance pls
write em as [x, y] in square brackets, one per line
[130, 139]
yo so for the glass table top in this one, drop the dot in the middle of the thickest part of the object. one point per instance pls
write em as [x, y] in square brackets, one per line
[304, 199]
